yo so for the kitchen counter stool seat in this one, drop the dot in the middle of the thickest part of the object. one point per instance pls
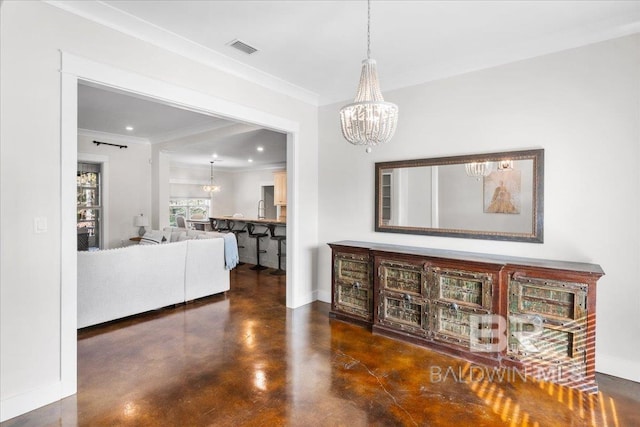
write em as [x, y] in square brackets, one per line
[237, 229]
[279, 238]
[221, 225]
[253, 234]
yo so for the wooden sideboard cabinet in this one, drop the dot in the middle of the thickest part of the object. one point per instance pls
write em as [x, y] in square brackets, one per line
[534, 315]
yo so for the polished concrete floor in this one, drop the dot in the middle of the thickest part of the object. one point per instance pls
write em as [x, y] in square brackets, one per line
[244, 359]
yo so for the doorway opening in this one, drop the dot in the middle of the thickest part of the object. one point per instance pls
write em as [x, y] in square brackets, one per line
[75, 69]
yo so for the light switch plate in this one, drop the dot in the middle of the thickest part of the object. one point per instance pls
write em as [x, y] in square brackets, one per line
[40, 224]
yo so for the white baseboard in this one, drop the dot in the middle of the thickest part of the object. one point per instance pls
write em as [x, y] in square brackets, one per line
[324, 296]
[33, 399]
[621, 368]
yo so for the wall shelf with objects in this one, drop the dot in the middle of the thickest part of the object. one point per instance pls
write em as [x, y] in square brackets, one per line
[536, 316]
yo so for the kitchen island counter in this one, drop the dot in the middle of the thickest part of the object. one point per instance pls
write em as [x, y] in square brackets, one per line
[256, 220]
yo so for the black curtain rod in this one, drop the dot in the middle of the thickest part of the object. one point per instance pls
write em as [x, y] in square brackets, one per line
[108, 143]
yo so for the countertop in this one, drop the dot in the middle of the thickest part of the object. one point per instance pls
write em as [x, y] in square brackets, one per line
[256, 220]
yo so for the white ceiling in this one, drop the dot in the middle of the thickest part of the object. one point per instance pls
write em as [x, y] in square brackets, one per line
[316, 46]
[312, 49]
[111, 111]
[190, 138]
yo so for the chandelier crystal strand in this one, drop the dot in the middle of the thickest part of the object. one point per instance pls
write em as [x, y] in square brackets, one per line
[369, 120]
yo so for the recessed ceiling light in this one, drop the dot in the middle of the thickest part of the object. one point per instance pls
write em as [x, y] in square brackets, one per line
[129, 128]
[261, 149]
[250, 160]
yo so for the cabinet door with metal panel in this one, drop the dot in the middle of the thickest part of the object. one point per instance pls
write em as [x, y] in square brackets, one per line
[403, 296]
[352, 284]
[457, 295]
[547, 324]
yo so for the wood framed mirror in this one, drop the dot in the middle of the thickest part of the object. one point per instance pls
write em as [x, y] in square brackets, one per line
[496, 196]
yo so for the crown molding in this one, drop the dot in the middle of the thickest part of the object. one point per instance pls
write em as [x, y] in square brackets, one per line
[113, 137]
[133, 26]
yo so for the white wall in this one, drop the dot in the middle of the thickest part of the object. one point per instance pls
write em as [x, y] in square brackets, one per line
[187, 182]
[32, 324]
[582, 107]
[248, 187]
[462, 200]
[129, 186]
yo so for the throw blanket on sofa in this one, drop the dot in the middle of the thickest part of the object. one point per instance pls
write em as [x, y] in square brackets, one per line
[231, 257]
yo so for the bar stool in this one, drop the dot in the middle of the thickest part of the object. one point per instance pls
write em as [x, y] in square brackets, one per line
[253, 234]
[223, 225]
[237, 230]
[279, 238]
[213, 223]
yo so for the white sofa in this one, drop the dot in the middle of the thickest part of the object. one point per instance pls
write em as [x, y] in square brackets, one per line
[116, 283]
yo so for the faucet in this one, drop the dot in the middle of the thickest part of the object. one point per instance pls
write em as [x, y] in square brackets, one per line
[260, 209]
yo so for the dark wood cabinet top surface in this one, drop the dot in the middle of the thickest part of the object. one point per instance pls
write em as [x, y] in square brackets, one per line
[502, 260]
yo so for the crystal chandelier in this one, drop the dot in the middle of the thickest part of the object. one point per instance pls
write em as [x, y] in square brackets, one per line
[369, 120]
[478, 169]
[211, 188]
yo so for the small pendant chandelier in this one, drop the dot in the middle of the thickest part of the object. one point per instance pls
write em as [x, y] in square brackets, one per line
[478, 169]
[211, 188]
[369, 120]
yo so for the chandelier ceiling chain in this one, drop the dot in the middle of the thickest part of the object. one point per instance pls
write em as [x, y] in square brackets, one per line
[369, 120]
[368, 29]
[211, 188]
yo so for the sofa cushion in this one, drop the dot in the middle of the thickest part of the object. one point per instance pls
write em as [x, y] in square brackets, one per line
[175, 233]
[183, 236]
[153, 237]
[193, 234]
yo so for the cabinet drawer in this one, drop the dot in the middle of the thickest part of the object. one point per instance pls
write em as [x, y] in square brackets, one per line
[351, 268]
[353, 299]
[559, 303]
[452, 322]
[405, 277]
[404, 312]
[462, 287]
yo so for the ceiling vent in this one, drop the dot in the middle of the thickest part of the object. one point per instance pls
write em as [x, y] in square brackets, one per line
[243, 47]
